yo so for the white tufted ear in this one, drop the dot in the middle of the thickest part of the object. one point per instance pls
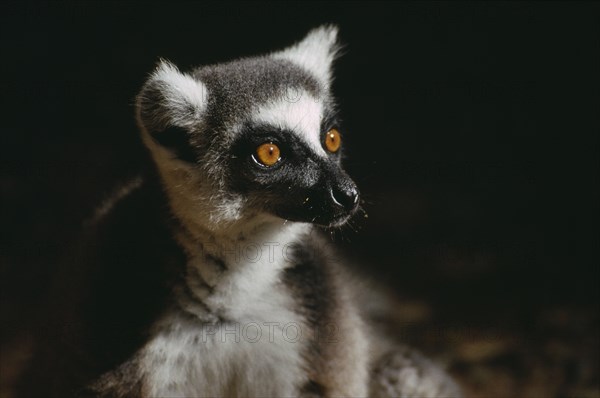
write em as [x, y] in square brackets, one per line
[316, 52]
[180, 86]
[171, 97]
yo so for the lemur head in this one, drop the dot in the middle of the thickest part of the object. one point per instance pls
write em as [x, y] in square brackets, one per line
[256, 137]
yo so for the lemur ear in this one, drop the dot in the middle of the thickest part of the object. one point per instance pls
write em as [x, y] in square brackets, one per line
[170, 98]
[316, 52]
[170, 104]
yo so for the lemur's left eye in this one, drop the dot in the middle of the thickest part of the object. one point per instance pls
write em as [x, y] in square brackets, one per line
[333, 140]
[267, 154]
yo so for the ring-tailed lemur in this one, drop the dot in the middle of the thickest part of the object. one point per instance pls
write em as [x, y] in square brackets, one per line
[205, 277]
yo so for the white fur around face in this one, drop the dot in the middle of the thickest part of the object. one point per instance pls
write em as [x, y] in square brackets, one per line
[296, 111]
[314, 53]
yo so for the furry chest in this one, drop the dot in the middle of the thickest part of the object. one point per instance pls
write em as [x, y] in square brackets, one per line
[253, 358]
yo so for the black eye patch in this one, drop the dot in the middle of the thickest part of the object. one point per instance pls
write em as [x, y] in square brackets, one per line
[246, 174]
[252, 137]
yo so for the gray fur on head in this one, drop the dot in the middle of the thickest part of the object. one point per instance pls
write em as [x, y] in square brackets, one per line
[225, 93]
[201, 112]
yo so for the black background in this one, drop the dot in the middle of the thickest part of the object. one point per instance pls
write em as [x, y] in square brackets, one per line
[471, 128]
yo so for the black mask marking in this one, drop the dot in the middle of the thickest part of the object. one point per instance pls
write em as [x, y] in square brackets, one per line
[301, 187]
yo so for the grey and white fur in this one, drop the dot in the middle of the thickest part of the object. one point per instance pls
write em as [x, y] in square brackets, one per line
[206, 276]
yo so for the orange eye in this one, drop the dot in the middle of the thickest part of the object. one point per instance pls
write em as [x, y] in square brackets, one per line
[268, 154]
[333, 140]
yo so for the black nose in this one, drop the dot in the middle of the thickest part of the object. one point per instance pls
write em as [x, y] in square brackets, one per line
[346, 196]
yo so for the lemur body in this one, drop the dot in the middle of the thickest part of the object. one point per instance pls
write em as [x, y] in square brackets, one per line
[206, 277]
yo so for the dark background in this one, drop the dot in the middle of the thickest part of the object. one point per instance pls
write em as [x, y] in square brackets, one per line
[471, 128]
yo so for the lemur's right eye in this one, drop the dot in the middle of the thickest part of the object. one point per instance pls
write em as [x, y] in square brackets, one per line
[333, 140]
[267, 154]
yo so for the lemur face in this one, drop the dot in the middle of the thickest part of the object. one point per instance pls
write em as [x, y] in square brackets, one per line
[256, 135]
